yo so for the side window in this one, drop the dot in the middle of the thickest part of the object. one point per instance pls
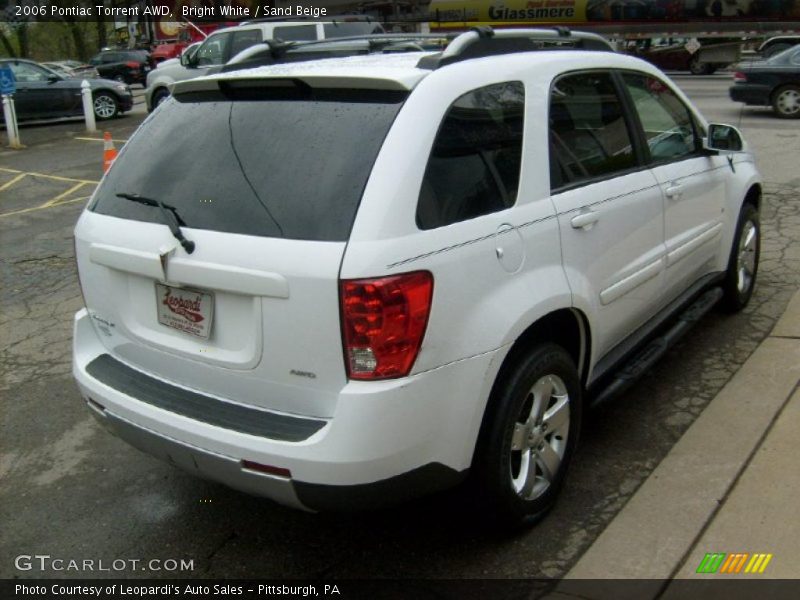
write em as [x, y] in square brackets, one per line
[26, 73]
[589, 137]
[667, 123]
[474, 164]
[298, 33]
[243, 40]
[212, 52]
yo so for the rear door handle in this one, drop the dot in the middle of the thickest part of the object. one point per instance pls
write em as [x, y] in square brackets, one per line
[585, 220]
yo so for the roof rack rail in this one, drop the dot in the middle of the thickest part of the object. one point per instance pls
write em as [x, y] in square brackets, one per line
[274, 51]
[485, 41]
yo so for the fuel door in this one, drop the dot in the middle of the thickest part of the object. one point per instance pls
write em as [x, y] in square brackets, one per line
[509, 248]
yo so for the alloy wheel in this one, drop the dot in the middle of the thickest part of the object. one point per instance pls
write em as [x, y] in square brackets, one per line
[104, 107]
[746, 260]
[539, 437]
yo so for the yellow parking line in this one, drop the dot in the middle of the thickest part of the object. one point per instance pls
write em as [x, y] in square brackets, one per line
[88, 139]
[12, 181]
[63, 195]
[43, 206]
[59, 178]
[56, 177]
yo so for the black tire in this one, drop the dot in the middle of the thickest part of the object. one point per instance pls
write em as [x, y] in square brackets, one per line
[699, 68]
[740, 278]
[786, 101]
[507, 492]
[159, 96]
[105, 106]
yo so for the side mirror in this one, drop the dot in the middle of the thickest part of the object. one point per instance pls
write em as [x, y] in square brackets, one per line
[723, 138]
[53, 78]
[189, 58]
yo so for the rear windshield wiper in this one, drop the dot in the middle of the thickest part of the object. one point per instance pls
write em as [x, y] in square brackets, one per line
[169, 215]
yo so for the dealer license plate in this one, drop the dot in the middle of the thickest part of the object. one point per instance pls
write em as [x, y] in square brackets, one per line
[186, 310]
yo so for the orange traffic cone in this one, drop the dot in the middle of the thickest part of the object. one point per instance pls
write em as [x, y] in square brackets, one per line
[109, 151]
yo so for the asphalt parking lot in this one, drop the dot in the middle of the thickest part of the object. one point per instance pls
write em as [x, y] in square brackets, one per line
[68, 489]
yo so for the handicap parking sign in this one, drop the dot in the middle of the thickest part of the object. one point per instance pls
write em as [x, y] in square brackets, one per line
[8, 84]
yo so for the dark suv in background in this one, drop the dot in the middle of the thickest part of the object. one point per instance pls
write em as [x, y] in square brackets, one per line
[129, 66]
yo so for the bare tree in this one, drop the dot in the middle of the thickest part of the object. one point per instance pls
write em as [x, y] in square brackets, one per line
[78, 38]
[7, 44]
[102, 36]
[22, 39]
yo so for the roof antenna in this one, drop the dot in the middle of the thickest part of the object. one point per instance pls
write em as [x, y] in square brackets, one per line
[563, 31]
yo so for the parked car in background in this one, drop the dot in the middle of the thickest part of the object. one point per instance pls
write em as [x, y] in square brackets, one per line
[73, 69]
[224, 44]
[129, 66]
[42, 93]
[167, 51]
[347, 282]
[777, 44]
[171, 41]
[160, 78]
[700, 57]
[773, 82]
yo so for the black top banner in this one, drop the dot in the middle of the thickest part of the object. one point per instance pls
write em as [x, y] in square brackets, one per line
[398, 589]
[122, 11]
[566, 12]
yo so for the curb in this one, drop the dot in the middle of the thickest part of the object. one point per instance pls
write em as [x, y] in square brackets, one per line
[656, 531]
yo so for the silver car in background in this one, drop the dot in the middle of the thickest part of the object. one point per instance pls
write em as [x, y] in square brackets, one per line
[73, 69]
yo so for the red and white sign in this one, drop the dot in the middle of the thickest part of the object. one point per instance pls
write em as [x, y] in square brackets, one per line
[186, 310]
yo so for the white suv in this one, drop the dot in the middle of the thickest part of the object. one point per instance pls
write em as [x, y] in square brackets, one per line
[350, 281]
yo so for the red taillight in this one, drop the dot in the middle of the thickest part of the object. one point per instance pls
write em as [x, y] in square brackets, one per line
[739, 77]
[383, 323]
[133, 65]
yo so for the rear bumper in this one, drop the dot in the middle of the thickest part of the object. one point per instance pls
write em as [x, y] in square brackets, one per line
[750, 93]
[195, 460]
[388, 441]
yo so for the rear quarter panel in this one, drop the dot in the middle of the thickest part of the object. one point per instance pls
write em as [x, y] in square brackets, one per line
[478, 306]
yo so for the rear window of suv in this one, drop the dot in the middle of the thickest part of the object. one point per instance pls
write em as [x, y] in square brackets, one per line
[271, 163]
